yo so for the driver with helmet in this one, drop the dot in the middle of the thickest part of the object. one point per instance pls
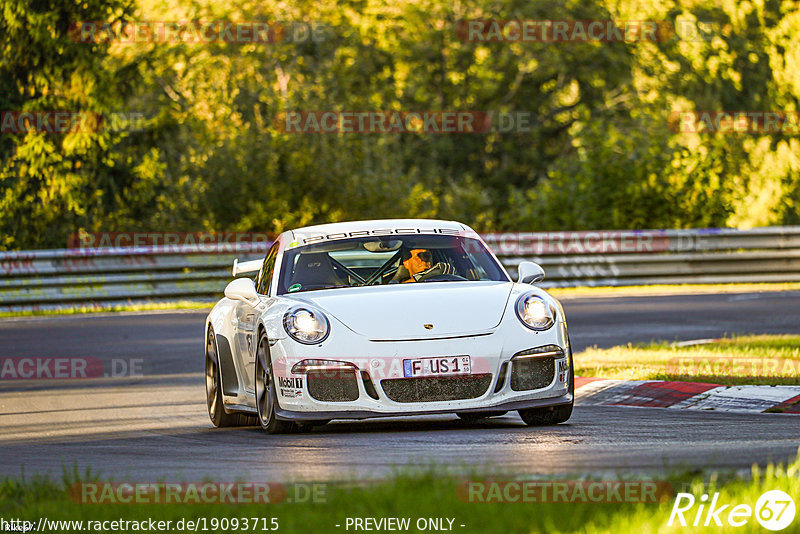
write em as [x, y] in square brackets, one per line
[417, 266]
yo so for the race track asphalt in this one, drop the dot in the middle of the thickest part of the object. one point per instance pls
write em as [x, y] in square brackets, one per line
[155, 427]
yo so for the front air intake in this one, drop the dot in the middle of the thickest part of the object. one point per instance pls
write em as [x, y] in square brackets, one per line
[532, 373]
[333, 386]
[433, 389]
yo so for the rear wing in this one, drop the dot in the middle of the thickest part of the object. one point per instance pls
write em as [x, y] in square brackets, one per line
[252, 266]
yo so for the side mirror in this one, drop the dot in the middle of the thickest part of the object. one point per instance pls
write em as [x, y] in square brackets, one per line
[529, 273]
[242, 289]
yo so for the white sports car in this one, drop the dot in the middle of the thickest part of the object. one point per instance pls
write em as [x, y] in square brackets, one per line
[385, 318]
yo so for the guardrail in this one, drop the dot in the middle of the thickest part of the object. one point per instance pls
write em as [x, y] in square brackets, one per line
[103, 277]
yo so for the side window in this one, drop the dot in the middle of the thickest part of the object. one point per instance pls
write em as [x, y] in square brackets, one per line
[265, 275]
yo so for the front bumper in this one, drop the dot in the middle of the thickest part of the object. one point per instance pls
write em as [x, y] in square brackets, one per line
[288, 415]
[491, 353]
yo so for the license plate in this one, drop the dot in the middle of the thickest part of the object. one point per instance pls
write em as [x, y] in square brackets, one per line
[450, 365]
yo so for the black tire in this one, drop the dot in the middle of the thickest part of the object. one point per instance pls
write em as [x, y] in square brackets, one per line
[552, 415]
[267, 393]
[216, 410]
[477, 416]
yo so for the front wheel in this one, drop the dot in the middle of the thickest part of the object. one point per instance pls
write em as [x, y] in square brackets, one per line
[216, 411]
[266, 392]
[552, 415]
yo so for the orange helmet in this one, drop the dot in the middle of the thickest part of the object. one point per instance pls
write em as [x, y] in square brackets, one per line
[417, 260]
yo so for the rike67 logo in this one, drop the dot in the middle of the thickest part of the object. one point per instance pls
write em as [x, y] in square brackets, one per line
[774, 510]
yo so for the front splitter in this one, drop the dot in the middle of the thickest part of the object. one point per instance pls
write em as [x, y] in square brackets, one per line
[288, 415]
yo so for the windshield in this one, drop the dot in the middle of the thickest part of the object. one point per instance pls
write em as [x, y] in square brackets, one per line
[387, 260]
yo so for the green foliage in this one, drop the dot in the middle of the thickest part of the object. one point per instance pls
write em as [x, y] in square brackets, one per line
[475, 502]
[599, 153]
[49, 182]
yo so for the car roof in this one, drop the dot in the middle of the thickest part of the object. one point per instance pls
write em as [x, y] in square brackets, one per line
[377, 227]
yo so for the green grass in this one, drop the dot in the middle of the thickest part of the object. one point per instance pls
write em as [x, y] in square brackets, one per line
[99, 308]
[678, 289]
[430, 494]
[748, 360]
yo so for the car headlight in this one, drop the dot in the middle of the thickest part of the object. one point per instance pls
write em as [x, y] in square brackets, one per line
[306, 326]
[535, 313]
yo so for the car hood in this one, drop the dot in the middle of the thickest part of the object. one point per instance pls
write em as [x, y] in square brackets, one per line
[400, 312]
